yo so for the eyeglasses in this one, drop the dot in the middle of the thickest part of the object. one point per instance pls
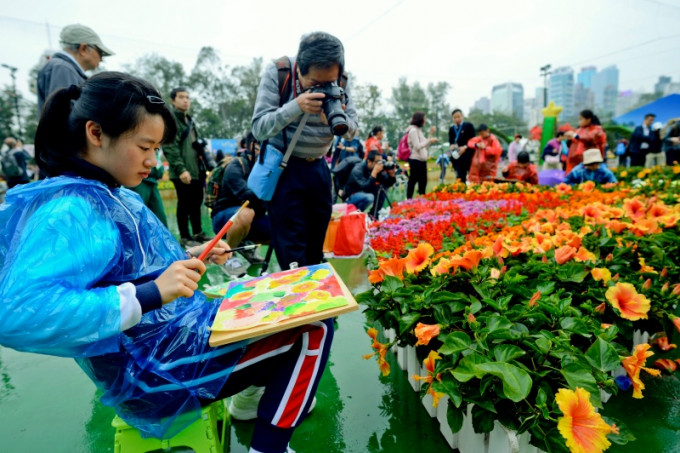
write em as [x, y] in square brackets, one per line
[98, 50]
[155, 100]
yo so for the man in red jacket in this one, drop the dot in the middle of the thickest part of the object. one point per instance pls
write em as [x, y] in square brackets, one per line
[487, 151]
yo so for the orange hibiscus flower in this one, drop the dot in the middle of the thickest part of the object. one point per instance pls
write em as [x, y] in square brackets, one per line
[418, 258]
[430, 364]
[468, 261]
[564, 254]
[442, 267]
[584, 255]
[663, 344]
[601, 274]
[634, 208]
[380, 351]
[666, 364]
[634, 364]
[628, 301]
[584, 429]
[425, 333]
[587, 186]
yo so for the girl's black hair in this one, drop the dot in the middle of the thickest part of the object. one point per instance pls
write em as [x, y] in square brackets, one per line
[116, 101]
[375, 131]
[418, 119]
[589, 115]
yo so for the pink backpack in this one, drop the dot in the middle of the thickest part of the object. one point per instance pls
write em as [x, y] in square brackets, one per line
[403, 151]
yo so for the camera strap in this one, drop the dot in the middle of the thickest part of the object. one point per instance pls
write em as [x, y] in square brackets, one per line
[293, 142]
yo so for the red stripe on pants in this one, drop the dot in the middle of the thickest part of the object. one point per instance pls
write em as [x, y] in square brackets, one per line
[303, 379]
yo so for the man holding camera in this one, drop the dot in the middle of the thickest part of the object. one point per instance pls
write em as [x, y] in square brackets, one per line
[361, 186]
[186, 157]
[301, 206]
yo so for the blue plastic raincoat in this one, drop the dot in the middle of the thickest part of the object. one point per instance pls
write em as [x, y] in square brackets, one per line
[66, 245]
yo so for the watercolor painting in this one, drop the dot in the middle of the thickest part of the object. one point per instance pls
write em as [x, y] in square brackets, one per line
[277, 297]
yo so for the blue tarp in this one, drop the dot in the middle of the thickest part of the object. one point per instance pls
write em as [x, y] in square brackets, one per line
[665, 108]
[227, 145]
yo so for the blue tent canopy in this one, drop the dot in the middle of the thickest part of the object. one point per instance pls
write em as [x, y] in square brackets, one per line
[665, 108]
[227, 145]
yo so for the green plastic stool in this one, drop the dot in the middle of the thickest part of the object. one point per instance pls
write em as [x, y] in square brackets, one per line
[202, 435]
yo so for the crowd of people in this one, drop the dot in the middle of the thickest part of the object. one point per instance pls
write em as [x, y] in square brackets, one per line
[114, 283]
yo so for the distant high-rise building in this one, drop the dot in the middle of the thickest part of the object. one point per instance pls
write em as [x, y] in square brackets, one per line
[626, 102]
[483, 104]
[585, 77]
[605, 86]
[662, 84]
[583, 98]
[508, 98]
[561, 90]
[532, 109]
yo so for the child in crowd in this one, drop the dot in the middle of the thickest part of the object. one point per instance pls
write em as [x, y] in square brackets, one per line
[522, 170]
[89, 272]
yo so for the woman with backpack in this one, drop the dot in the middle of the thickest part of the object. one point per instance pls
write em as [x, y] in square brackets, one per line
[417, 161]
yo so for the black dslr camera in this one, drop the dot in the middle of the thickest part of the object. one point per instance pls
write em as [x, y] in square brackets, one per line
[332, 107]
[200, 146]
[389, 165]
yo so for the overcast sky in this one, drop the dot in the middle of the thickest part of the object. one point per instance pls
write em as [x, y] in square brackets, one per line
[473, 45]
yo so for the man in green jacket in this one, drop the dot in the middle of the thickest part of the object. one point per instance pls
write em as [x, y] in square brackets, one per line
[187, 170]
[148, 190]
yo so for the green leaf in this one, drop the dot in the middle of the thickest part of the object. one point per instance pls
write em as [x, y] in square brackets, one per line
[407, 321]
[391, 284]
[455, 418]
[496, 322]
[507, 352]
[572, 272]
[475, 306]
[454, 343]
[449, 387]
[367, 297]
[482, 420]
[576, 325]
[578, 375]
[516, 381]
[467, 369]
[624, 436]
[603, 356]
[545, 288]
[544, 344]
[448, 296]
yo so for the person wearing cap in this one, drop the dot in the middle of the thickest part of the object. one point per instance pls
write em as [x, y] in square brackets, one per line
[515, 148]
[522, 170]
[592, 168]
[82, 50]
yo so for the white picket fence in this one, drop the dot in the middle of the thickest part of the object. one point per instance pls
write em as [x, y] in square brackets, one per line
[500, 439]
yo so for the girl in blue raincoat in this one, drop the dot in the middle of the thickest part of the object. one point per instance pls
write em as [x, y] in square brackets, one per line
[89, 272]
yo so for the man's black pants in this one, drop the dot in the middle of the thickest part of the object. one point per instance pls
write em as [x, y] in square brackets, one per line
[299, 212]
[189, 200]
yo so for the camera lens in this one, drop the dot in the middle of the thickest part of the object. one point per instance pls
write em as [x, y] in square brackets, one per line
[338, 123]
[332, 107]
